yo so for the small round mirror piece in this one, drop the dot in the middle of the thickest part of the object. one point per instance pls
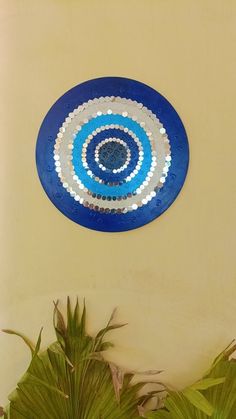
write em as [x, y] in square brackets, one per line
[112, 154]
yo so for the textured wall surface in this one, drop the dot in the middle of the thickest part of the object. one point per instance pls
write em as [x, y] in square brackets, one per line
[173, 280]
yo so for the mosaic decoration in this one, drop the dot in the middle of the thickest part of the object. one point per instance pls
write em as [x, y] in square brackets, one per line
[112, 154]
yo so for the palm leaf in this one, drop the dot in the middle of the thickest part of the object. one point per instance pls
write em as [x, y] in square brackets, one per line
[214, 396]
[71, 379]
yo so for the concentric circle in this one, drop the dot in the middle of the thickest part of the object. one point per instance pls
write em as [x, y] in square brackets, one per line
[112, 154]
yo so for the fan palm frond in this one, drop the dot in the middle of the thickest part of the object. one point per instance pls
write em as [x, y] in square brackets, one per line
[214, 396]
[71, 379]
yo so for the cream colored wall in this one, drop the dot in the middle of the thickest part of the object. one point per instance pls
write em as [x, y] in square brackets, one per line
[172, 280]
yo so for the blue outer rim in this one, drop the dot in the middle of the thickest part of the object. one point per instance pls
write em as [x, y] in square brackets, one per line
[131, 89]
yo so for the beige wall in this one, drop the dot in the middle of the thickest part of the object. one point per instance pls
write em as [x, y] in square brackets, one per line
[172, 280]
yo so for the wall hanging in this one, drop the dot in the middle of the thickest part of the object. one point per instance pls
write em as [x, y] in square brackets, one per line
[112, 154]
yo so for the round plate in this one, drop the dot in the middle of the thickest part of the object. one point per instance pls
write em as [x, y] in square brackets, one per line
[112, 154]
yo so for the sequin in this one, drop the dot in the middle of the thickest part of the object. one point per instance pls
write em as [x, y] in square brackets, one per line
[134, 199]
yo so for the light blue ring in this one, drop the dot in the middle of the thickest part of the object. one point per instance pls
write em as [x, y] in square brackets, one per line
[81, 172]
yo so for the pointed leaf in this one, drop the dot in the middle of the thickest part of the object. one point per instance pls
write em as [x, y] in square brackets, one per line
[25, 339]
[198, 400]
[206, 383]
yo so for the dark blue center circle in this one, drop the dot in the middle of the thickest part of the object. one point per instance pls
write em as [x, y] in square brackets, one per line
[94, 166]
[112, 155]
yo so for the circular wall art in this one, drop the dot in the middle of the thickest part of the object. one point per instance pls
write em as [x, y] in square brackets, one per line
[112, 154]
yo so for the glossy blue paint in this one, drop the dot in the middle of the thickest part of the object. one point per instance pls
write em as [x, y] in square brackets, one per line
[108, 86]
[114, 177]
[91, 183]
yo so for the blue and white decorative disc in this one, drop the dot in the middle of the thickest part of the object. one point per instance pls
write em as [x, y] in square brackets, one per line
[112, 154]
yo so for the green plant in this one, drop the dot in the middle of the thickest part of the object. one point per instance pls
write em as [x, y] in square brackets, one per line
[71, 379]
[214, 396]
